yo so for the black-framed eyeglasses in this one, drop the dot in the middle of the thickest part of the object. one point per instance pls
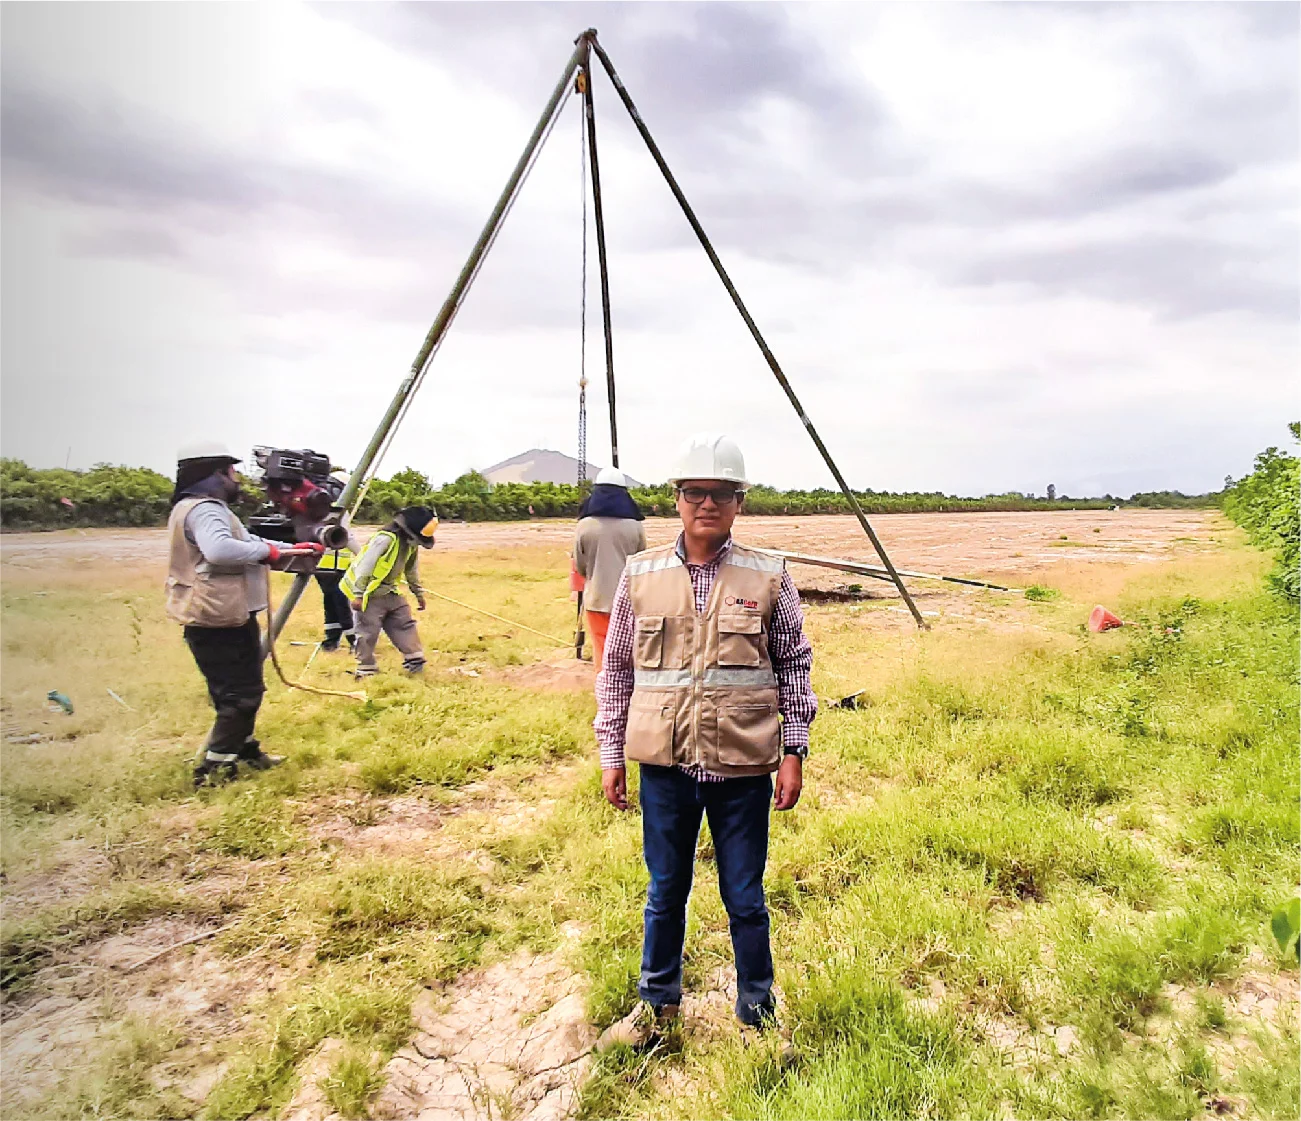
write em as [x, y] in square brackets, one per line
[722, 496]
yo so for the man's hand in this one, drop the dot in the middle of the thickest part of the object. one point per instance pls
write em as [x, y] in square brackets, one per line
[356, 606]
[790, 781]
[615, 784]
[420, 603]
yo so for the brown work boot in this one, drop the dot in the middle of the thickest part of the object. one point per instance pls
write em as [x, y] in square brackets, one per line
[640, 1028]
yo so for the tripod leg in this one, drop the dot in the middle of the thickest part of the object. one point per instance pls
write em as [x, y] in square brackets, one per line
[589, 114]
[411, 382]
[773, 365]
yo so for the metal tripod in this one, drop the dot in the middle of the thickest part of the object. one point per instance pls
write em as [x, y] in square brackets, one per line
[580, 63]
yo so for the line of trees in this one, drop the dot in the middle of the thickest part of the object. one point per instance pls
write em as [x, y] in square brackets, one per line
[109, 495]
[472, 498]
[1265, 503]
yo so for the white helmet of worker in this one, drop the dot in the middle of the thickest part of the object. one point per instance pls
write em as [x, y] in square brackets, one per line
[710, 455]
[205, 449]
[611, 477]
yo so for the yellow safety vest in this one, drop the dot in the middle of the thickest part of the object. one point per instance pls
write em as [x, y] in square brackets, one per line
[332, 560]
[383, 567]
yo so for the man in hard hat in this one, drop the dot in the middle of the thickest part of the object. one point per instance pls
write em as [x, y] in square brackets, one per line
[372, 581]
[609, 531]
[216, 584]
[706, 686]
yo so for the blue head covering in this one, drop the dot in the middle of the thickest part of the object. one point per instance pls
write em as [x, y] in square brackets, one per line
[609, 501]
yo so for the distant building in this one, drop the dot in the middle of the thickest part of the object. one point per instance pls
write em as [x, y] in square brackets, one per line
[538, 465]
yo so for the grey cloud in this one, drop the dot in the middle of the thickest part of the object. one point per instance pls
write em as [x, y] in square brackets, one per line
[139, 168]
[132, 240]
[1176, 276]
[696, 71]
[702, 74]
[95, 155]
[162, 195]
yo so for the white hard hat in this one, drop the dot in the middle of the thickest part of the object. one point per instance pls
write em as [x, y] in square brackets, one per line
[710, 455]
[205, 449]
[611, 477]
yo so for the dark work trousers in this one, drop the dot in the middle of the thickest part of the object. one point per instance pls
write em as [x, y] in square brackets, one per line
[230, 659]
[338, 612]
[672, 803]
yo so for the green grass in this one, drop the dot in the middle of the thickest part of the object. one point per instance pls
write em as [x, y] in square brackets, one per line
[350, 1083]
[342, 1005]
[1022, 830]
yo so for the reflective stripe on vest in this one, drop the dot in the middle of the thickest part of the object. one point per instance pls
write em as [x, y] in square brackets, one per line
[383, 567]
[760, 562]
[653, 564]
[720, 677]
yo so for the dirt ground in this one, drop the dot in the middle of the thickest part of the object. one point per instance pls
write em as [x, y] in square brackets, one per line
[1006, 545]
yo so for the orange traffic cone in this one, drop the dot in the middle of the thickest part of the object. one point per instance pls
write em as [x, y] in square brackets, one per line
[1100, 619]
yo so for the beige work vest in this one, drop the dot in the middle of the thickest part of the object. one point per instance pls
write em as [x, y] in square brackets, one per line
[704, 694]
[202, 594]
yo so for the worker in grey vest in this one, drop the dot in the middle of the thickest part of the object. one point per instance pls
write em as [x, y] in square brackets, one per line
[609, 531]
[216, 585]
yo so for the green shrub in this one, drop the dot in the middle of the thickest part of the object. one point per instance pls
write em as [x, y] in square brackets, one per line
[106, 495]
[1265, 504]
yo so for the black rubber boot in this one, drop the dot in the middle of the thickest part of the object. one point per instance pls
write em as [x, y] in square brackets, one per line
[213, 774]
[252, 754]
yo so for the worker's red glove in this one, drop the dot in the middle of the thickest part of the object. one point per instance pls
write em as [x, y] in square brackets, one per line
[273, 555]
[315, 546]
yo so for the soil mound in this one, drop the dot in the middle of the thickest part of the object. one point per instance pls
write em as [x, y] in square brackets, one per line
[561, 672]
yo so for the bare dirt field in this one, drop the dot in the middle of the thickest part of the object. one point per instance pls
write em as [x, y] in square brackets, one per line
[1007, 545]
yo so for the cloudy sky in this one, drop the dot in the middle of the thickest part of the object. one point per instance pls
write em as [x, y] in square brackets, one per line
[994, 246]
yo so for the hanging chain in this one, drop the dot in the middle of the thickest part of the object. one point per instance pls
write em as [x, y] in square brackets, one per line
[582, 332]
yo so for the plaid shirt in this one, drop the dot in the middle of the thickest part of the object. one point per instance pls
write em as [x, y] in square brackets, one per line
[789, 649]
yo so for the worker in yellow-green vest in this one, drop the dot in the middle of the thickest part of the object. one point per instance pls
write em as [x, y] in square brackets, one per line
[338, 613]
[371, 581]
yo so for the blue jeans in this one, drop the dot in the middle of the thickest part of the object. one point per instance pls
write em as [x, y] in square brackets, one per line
[671, 807]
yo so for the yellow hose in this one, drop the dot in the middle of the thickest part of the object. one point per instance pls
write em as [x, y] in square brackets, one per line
[280, 673]
[501, 619]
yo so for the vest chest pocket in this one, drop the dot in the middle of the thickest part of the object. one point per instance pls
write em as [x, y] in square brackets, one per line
[649, 650]
[738, 640]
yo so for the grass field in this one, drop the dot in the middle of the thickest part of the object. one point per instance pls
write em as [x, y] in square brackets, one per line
[1031, 875]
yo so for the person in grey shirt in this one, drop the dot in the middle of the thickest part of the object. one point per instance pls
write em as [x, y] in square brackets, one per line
[609, 532]
[372, 581]
[216, 585]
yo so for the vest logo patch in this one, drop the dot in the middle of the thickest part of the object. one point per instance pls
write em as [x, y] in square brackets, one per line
[737, 601]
